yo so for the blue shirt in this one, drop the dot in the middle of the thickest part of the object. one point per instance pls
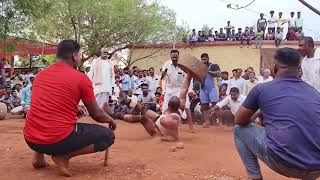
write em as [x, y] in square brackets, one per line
[209, 83]
[291, 111]
[126, 82]
[26, 95]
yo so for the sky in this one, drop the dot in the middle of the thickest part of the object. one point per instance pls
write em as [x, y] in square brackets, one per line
[215, 13]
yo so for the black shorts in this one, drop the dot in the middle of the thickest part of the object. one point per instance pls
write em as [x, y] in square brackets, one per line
[82, 136]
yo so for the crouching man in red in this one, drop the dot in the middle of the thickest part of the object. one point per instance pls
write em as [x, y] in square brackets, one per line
[51, 127]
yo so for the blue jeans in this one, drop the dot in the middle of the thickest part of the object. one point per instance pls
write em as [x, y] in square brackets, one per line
[251, 144]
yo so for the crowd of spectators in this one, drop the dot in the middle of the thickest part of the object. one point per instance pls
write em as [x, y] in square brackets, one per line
[265, 29]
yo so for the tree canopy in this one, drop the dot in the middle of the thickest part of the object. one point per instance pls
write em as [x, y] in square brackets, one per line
[114, 24]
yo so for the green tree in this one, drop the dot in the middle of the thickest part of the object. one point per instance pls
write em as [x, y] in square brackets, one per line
[114, 24]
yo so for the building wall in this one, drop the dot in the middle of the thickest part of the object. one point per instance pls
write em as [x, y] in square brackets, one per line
[228, 57]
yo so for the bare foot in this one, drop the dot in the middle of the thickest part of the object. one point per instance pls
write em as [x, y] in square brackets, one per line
[38, 161]
[38, 164]
[62, 163]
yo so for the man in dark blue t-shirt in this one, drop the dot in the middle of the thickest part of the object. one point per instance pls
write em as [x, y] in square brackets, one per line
[289, 144]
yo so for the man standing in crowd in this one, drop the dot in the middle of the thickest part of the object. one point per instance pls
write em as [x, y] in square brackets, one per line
[280, 22]
[138, 82]
[311, 62]
[175, 77]
[233, 101]
[237, 81]
[266, 76]
[102, 76]
[51, 127]
[299, 21]
[208, 92]
[125, 80]
[291, 22]
[252, 82]
[262, 24]
[153, 80]
[228, 29]
[26, 96]
[272, 22]
[289, 143]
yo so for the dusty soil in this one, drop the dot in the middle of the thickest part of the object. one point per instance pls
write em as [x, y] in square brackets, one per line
[208, 154]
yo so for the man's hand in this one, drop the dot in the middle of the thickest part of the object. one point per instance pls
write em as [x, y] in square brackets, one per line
[81, 111]
[112, 125]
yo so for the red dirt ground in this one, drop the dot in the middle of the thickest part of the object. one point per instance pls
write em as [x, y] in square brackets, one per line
[208, 154]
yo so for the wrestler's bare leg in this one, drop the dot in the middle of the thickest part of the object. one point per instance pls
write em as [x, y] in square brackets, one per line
[147, 123]
[189, 120]
[62, 161]
[39, 161]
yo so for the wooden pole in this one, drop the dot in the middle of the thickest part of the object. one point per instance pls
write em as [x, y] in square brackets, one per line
[310, 7]
[106, 156]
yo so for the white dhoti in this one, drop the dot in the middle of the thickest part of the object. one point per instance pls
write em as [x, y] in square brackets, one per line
[102, 98]
[18, 109]
[170, 93]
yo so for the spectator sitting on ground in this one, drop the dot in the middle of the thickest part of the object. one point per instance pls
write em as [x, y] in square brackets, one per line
[210, 36]
[7, 99]
[278, 37]
[299, 34]
[239, 35]
[16, 102]
[147, 98]
[223, 91]
[233, 36]
[228, 29]
[262, 24]
[270, 35]
[26, 96]
[250, 83]
[221, 35]
[266, 76]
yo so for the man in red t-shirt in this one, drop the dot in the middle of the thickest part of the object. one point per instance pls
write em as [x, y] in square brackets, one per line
[51, 127]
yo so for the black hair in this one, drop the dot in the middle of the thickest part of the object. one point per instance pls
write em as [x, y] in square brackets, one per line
[66, 48]
[134, 67]
[126, 68]
[239, 29]
[309, 41]
[234, 90]
[271, 11]
[292, 13]
[144, 84]
[151, 68]
[204, 55]
[159, 87]
[144, 70]
[288, 56]
[225, 72]
[157, 93]
[174, 51]
[299, 12]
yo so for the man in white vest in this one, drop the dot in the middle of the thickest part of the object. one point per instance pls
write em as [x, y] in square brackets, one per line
[102, 76]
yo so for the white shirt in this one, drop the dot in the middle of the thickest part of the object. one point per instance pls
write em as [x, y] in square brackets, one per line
[175, 76]
[262, 80]
[292, 22]
[239, 83]
[248, 85]
[153, 82]
[272, 22]
[117, 90]
[107, 80]
[311, 70]
[233, 105]
[138, 81]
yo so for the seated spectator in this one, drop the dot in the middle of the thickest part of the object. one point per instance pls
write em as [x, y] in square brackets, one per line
[224, 78]
[228, 29]
[232, 36]
[221, 35]
[239, 35]
[237, 81]
[250, 83]
[299, 34]
[216, 35]
[266, 77]
[201, 37]
[259, 38]
[159, 90]
[147, 98]
[17, 79]
[16, 102]
[210, 36]
[270, 35]
[117, 87]
[159, 102]
[246, 37]
[223, 91]
[7, 99]
[233, 101]
[204, 36]
[193, 38]
[291, 35]
[26, 96]
[278, 37]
